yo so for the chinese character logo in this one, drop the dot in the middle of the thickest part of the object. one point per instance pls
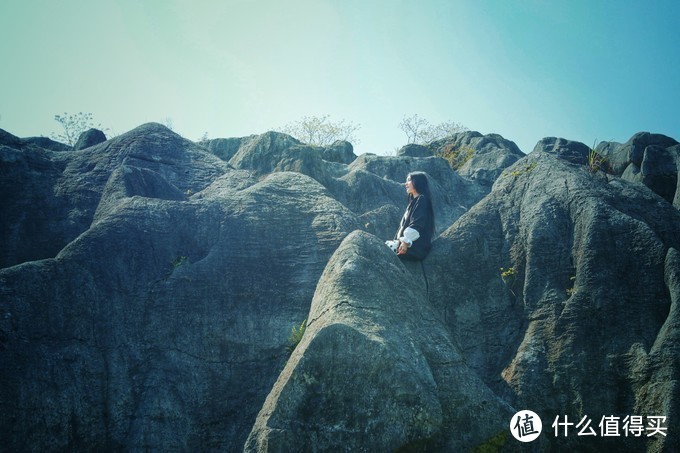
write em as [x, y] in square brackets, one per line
[526, 426]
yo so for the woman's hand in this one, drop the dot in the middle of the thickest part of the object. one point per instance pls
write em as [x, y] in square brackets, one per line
[403, 248]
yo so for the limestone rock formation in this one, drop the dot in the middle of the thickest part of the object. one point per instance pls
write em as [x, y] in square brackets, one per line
[46, 143]
[414, 150]
[131, 262]
[89, 138]
[149, 284]
[482, 157]
[12, 141]
[571, 151]
[225, 148]
[560, 289]
[340, 151]
[652, 159]
[164, 324]
[50, 198]
[32, 223]
[365, 184]
[376, 369]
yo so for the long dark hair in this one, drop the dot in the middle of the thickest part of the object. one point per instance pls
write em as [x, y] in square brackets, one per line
[419, 181]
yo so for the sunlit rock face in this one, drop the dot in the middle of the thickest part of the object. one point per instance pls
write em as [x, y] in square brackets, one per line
[149, 285]
[588, 304]
[479, 158]
[652, 159]
[377, 369]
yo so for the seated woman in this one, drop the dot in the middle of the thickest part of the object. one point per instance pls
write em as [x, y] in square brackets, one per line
[414, 237]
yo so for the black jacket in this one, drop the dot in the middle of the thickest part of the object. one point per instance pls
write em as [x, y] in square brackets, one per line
[419, 217]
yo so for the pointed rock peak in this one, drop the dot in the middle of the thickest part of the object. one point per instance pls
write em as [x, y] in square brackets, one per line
[374, 368]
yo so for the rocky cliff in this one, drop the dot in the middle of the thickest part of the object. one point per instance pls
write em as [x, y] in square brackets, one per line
[149, 285]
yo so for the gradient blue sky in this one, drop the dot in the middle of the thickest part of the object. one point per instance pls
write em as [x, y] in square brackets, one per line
[526, 69]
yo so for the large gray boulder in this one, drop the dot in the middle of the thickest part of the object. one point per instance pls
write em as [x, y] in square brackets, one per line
[255, 150]
[588, 304]
[50, 198]
[34, 221]
[635, 148]
[164, 325]
[568, 150]
[482, 158]
[224, 148]
[340, 151]
[364, 184]
[89, 138]
[650, 159]
[376, 369]
[659, 171]
[415, 150]
[373, 181]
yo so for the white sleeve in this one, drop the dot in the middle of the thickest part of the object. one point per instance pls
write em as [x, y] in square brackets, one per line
[409, 236]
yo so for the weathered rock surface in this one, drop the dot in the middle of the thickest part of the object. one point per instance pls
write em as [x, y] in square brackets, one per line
[488, 155]
[164, 324]
[414, 150]
[149, 285]
[372, 180]
[340, 151]
[50, 198]
[225, 148]
[568, 150]
[365, 184]
[156, 276]
[376, 369]
[651, 159]
[12, 141]
[46, 143]
[578, 327]
[89, 138]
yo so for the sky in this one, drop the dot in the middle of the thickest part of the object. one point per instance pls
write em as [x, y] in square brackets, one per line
[584, 70]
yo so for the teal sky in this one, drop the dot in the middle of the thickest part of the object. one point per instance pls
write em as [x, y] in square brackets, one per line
[526, 69]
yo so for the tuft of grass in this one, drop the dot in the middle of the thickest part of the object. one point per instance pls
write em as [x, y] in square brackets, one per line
[493, 444]
[179, 261]
[570, 291]
[509, 276]
[522, 170]
[457, 156]
[296, 334]
[596, 162]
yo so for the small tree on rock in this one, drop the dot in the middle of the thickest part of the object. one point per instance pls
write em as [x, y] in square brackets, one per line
[73, 125]
[320, 131]
[413, 127]
[419, 130]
